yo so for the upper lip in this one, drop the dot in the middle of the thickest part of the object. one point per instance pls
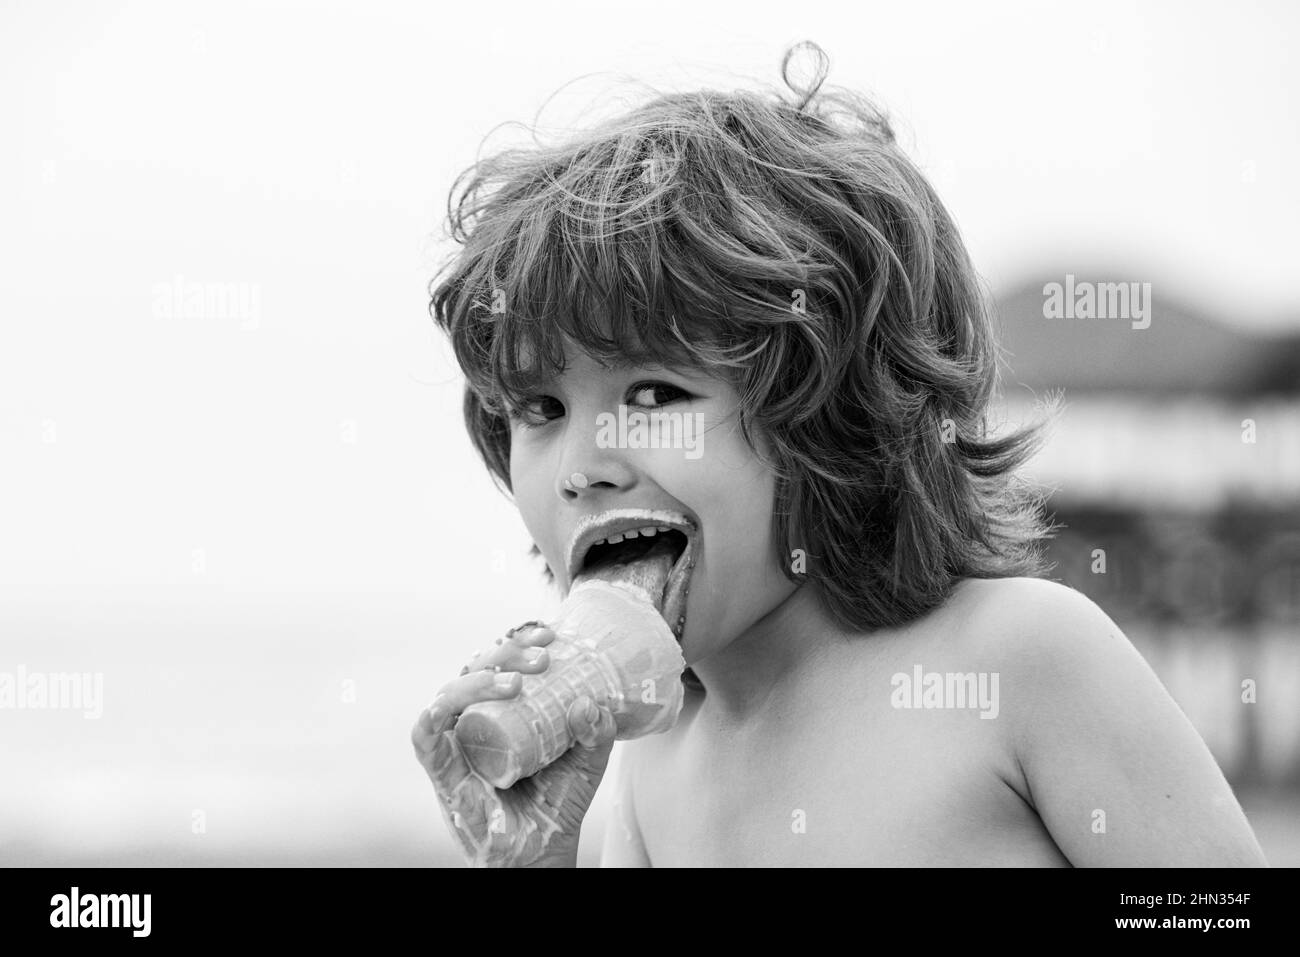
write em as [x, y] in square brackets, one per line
[595, 528]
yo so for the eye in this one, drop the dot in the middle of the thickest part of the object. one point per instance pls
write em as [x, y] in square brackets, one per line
[534, 409]
[651, 393]
[538, 410]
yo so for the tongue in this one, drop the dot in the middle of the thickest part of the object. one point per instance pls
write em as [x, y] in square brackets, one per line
[647, 573]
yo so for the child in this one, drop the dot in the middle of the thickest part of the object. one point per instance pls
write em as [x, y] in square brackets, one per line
[876, 676]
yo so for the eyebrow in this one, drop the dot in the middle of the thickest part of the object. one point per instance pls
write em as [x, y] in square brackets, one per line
[622, 364]
[528, 378]
[534, 377]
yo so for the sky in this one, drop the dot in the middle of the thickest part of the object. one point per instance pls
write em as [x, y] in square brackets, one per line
[299, 457]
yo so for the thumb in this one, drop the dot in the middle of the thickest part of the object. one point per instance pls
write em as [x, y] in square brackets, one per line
[594, 730]
[569, 783]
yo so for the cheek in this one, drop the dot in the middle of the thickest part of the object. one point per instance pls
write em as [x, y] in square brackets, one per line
[751, 521]
[739, 520]
[531, 493]
[527, 464]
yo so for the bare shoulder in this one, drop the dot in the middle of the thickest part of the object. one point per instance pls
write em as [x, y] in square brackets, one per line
[1038, 628]
[1060, 659]
[1053, 644]
[1016, 608]
[1109, 761]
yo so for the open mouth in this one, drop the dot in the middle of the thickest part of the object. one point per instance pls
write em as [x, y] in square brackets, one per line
[655, 559]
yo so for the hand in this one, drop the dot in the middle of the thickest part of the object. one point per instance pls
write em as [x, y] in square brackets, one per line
[536, 822]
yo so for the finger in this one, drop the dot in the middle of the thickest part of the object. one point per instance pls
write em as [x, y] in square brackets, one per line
[435, 745]
[433, 722]
[510, 656]
[593, 727]
[443, 759]
[590, 755]
[569, 783]
[531, 634]
[459, 693]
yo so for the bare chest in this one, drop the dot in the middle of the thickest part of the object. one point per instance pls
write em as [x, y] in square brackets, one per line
[875, 787]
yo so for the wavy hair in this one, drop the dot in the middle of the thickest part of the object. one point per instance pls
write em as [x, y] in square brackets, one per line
[795, 250]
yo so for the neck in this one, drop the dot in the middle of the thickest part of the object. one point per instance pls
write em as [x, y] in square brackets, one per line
[773, 654]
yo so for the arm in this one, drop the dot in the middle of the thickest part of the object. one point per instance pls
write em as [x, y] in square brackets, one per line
[623, 846]
[1094, 731]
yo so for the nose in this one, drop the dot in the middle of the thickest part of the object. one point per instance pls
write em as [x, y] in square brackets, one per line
[571, 485]
[575, 481]
[585, 470]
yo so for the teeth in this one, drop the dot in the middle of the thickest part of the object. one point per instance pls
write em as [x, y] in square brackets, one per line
[631, 533]
[647, 531]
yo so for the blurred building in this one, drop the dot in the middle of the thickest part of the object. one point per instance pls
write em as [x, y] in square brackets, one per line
[1175, 475]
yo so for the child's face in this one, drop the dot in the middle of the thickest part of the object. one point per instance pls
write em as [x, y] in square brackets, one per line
[713, 479]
